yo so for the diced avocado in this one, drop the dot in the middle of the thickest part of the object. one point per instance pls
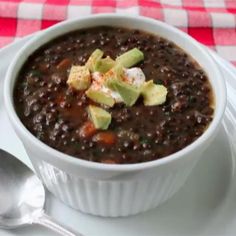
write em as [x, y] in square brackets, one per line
[128, 92]
[100, 97]
[111, 82]
[79, 77]
[104, 65]
[93, 59]
[100, 118]
[153, 94]
[130, 58]
[112, 75]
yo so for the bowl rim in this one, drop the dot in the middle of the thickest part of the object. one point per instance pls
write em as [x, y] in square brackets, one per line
[19, 126]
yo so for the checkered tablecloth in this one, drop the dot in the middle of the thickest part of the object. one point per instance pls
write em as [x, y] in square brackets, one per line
[212, 22]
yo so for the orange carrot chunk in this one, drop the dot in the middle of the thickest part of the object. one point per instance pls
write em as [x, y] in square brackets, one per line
[87, 129]
[107, 138]
[109, 161]
[64, 64]
[59, 99]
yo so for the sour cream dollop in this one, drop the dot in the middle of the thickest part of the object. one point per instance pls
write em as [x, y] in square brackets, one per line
[134, 76]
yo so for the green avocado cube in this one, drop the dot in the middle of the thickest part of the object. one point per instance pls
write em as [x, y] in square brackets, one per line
[93, 59]
[153, 94]
[112, 75]
[100, 97]
[100, 118]
[130, 58]
[79, 78]
[128, 92]
[104, 65]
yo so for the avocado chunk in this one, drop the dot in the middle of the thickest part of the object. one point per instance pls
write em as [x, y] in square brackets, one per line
[93, 59]
[100, 118]
[100, 97]
[153, 94]
[104, 65]
[112, 75]
[130, 58]
[128, 92]
[79, 78]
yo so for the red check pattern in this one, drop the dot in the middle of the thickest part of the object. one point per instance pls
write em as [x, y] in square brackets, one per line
[211, 22]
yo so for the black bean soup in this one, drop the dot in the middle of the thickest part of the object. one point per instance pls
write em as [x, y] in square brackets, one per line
[56, 114]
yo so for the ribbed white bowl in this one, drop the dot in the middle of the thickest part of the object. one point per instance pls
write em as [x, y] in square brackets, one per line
[114, 190]
[121, 196]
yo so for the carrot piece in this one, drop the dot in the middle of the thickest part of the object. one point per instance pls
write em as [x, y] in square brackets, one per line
[87, 129]
[64, 64]
[109, 161]
[59, 99]
[107, 138]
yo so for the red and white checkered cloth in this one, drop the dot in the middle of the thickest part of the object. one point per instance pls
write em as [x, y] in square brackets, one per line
[212, 22]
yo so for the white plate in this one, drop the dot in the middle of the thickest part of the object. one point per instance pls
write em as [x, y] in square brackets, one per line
[206, 205]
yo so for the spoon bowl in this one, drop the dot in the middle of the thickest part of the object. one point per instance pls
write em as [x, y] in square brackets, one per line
[22, 193]
[22, 197]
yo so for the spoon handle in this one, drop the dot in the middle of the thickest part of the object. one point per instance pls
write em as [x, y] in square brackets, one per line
[50, 223]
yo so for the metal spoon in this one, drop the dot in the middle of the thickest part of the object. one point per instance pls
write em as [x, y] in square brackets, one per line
[22, 197]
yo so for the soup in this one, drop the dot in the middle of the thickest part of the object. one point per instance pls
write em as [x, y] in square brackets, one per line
[64, 114]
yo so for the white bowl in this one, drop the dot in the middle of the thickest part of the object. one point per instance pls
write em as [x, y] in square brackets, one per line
[115, 190]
